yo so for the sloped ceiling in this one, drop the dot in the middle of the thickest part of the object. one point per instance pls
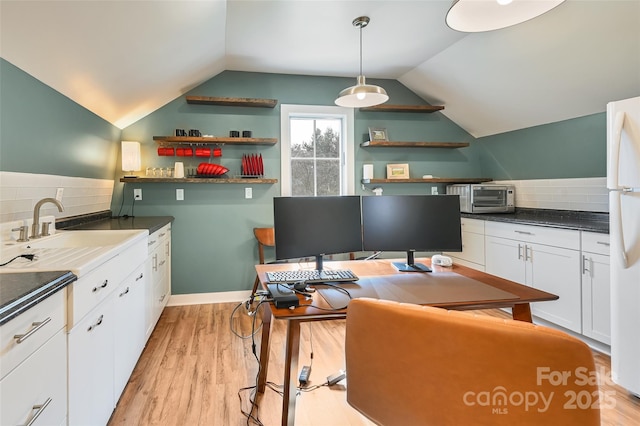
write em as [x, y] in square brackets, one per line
[124, 59]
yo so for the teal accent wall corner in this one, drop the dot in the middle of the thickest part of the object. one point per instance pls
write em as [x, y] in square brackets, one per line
[43, 131]
[575, 148]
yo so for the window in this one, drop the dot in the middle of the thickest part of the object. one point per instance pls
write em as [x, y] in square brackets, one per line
[317, 150]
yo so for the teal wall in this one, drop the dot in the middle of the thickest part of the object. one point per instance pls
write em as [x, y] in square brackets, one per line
[213, 244]
[43, 131]
[567, 149]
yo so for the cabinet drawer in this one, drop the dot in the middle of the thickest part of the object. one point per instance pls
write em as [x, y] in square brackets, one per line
[594, 242]
[535, 234]
[474, 226]
[40, 378]
[158, 237]
[49, 312]
[92, 288]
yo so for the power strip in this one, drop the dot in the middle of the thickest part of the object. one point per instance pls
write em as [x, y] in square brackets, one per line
[282, 296]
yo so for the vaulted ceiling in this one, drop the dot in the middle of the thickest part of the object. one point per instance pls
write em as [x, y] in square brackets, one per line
[124, 59]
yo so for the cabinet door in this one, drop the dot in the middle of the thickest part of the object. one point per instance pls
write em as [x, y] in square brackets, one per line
[555, 270]
[38, 385]
[91, 359]
[129, 329]
[596, 297]
[504, 258]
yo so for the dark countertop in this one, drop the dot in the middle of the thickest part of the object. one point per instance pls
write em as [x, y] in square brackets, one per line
[23, 290]
[152, 223]
[565, 219]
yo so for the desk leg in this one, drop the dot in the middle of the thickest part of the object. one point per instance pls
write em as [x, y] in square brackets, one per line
[264, 347]
[522, 312]
[290, 368]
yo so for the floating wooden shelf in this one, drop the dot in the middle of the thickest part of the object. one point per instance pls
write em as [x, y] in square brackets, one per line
[245, 102]
[430, 180]
[404, 108]
[196, 180]
[388, 144]
[192, 140]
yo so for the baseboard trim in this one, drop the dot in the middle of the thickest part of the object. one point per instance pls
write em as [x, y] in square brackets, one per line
[204, 298]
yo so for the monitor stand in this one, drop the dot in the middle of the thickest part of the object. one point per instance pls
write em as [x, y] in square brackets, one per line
[411, 266]
[319, 262]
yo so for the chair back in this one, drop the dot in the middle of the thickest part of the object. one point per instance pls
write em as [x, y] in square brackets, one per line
[266, 238]
[419, 365]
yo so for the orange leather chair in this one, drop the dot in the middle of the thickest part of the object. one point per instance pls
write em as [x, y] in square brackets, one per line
[418, 365]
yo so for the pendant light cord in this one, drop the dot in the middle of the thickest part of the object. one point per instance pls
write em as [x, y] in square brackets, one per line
[360, 25]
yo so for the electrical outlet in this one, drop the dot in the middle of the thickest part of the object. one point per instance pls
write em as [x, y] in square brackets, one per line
[137, 194]
[180, 194]
[434, 190]
[248, 193]
[59, 193]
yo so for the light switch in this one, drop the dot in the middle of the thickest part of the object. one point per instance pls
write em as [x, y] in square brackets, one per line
[180, 194]
[248, 193]
[59, 193]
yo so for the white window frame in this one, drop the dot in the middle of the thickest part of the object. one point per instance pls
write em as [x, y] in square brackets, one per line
[315, 111]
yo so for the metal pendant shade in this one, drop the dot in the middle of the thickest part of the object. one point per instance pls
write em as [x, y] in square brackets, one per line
[362, 94]
[473, 16]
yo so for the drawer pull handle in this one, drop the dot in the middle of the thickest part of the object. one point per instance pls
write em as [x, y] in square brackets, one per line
[152, 242]
[97, 323]
[124, 292]
[140, 276]
[162, 298]
[162, 235]
[103, 285]
[39, 409]
[519, 251]
[36, 326]
[163, 262]
[523, 232]
[604, 243]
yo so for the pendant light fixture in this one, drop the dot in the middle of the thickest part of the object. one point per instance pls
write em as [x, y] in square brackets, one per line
[473, 16]
[362, 94]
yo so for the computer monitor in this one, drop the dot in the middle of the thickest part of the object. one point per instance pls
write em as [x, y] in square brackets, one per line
[411, 223]
[315, 226]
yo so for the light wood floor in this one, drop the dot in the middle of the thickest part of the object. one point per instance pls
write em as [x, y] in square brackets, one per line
[193, 367]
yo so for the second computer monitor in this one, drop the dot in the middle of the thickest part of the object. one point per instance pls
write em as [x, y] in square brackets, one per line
[411, 223]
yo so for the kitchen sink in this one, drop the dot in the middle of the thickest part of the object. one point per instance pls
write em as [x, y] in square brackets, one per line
[77, 251]
[69, 239]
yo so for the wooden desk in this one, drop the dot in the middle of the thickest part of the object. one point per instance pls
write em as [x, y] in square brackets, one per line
[321, 310]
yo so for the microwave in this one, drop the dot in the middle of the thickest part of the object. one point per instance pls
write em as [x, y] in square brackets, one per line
[484, 198]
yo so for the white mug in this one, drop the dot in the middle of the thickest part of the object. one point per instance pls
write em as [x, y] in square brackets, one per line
[178, 169]
[367, 171]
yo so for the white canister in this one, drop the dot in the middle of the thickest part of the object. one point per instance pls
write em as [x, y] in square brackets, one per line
[178, 169]
[367, 171]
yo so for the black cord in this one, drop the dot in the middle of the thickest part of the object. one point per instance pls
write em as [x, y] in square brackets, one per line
[26, 256]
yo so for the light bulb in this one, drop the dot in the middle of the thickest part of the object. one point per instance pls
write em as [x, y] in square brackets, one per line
[503, 2]
[361, 95]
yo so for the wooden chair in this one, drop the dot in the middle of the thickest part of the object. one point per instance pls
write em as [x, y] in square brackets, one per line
[266, 238]
[419, 365]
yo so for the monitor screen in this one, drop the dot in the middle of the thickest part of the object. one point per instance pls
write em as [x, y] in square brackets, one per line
[411, 223]
[315, 226]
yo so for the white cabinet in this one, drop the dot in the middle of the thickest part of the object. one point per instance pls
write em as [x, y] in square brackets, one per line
[34, 371]
[91, 367]
[473, 251]
[159, 273]
[97, 359]
[544, 258]
[596, 298]
[129, 329]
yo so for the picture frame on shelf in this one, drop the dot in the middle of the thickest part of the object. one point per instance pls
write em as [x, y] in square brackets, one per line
[398, 171]
[378, 134]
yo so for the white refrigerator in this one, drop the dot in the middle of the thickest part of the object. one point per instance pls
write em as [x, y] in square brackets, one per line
[623, 182]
